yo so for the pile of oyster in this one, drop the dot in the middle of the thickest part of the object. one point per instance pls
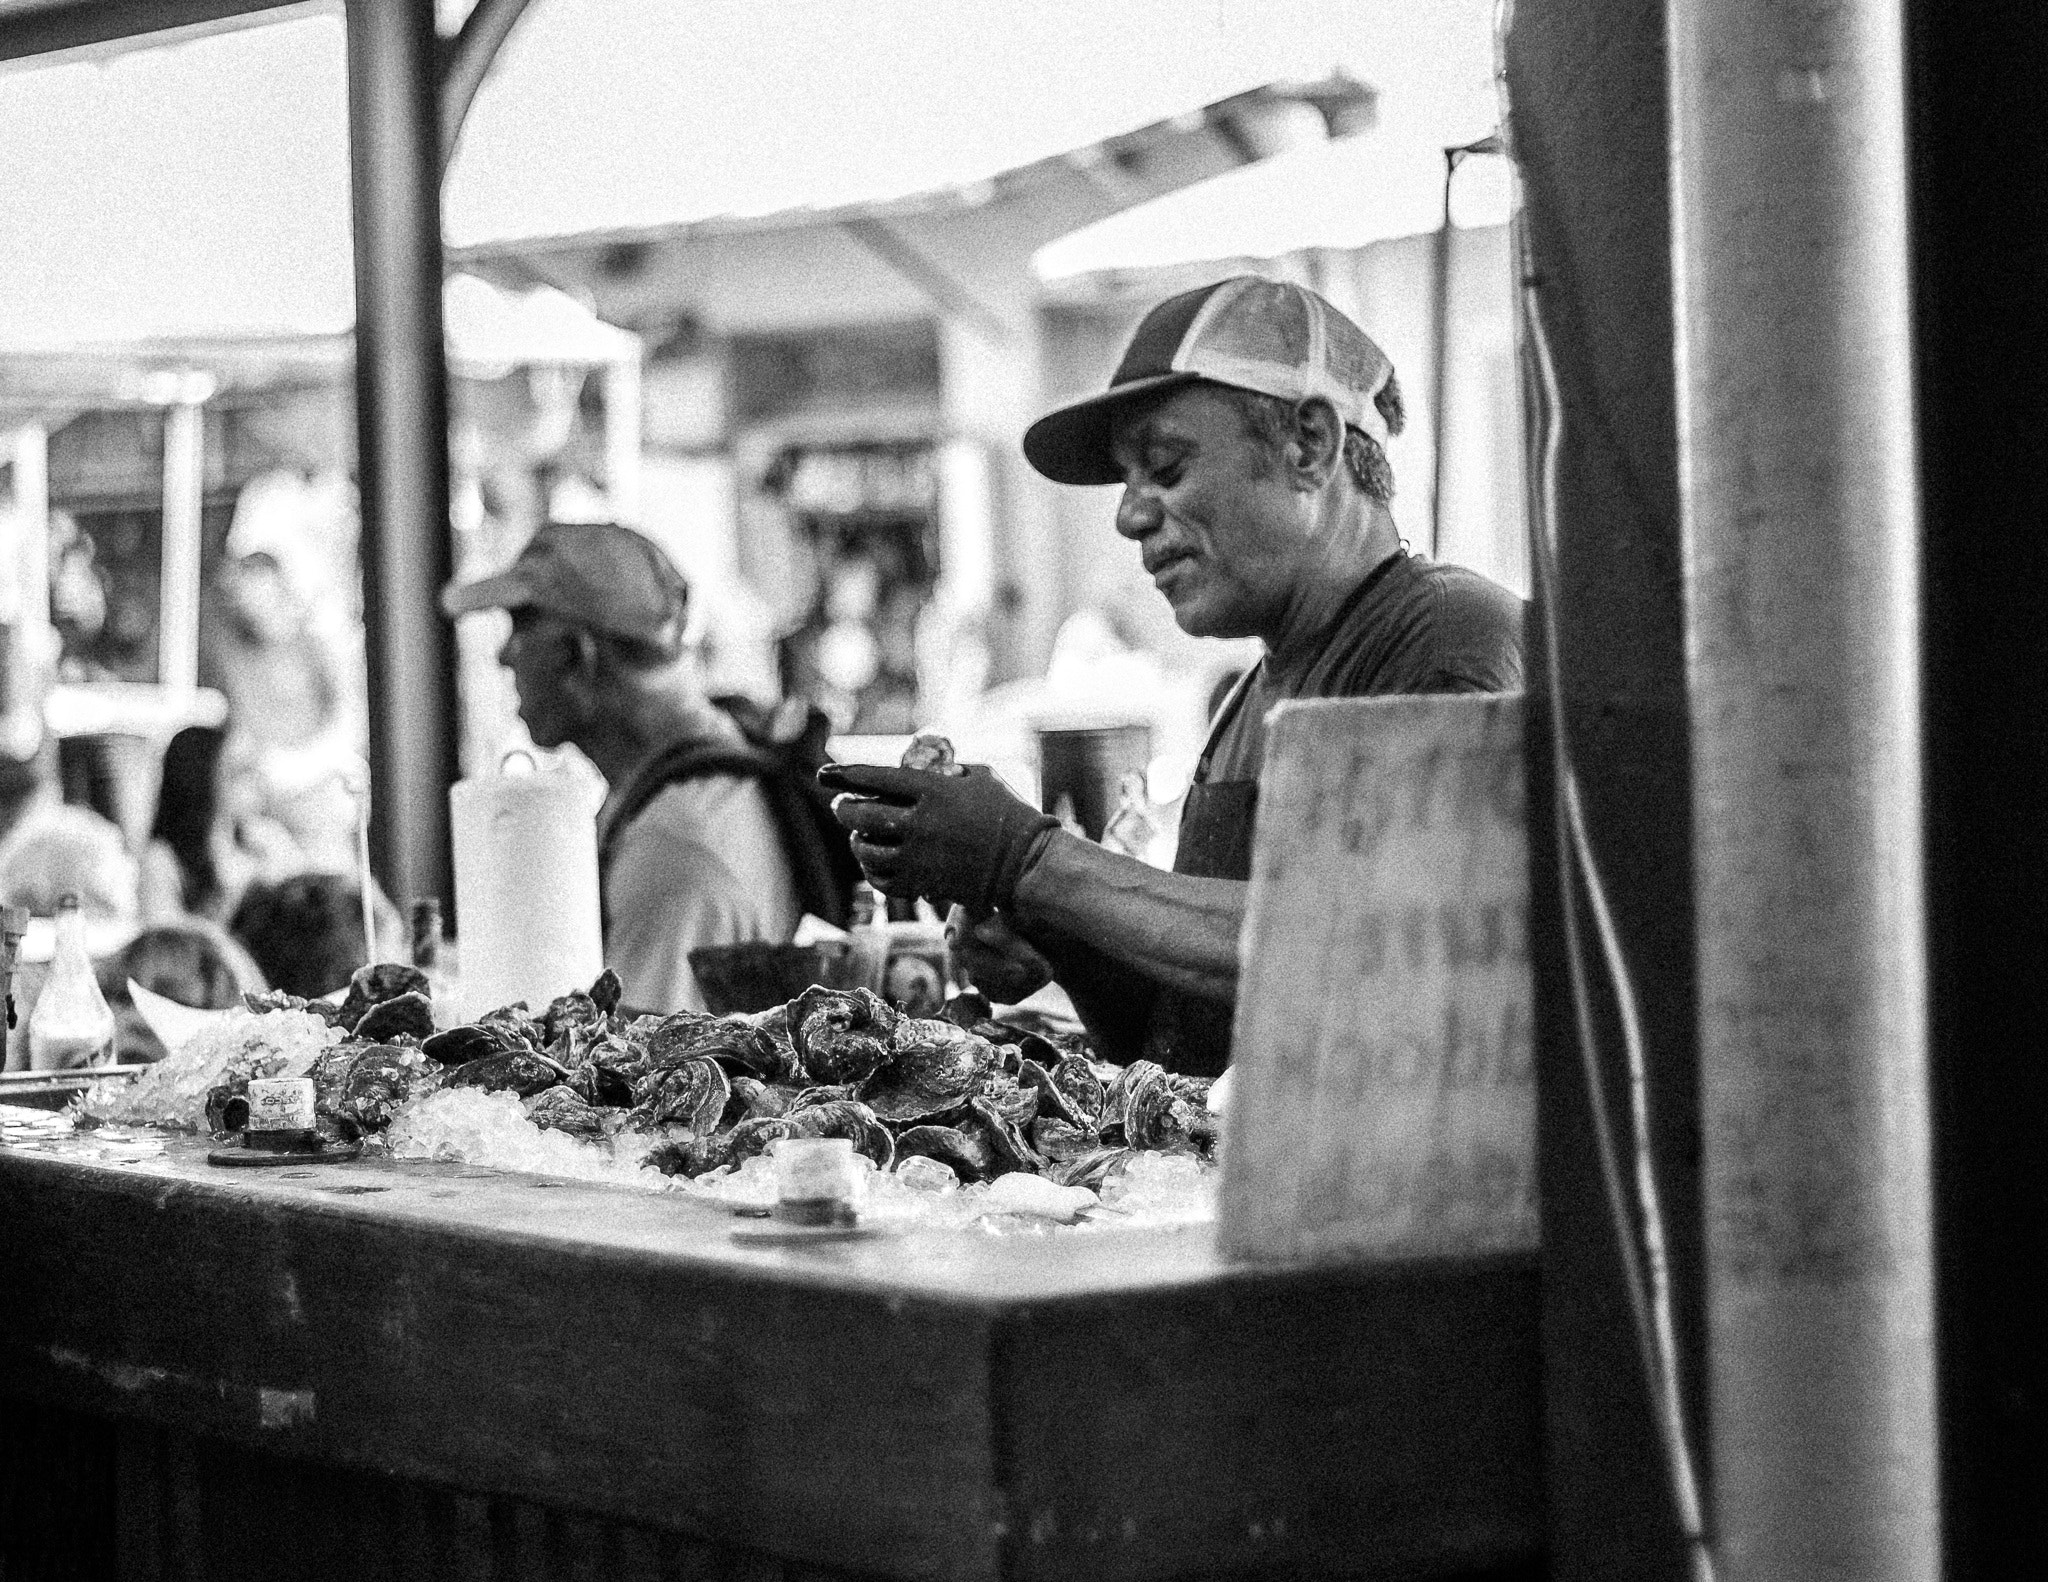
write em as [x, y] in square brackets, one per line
[693, 1092]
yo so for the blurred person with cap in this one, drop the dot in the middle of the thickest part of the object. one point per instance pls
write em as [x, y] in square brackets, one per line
[1247, 424]
[598, 661]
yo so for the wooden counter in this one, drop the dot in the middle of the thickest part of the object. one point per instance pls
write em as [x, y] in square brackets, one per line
[950, 1405]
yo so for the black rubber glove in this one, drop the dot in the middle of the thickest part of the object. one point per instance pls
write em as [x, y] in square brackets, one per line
[963, 838]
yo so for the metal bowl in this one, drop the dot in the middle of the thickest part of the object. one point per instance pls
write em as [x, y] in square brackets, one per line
[758, 976]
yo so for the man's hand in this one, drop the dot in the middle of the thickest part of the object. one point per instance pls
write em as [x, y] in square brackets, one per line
[965, 838]
[997, 959]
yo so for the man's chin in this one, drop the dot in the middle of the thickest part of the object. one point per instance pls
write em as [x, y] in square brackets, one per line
[1198, 619]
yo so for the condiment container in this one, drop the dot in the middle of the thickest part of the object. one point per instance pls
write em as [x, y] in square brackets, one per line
[817, 1181]
[280, 1113]
[72, 1025]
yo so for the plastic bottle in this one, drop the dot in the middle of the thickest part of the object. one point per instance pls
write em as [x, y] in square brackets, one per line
[868, 928]
[72, 1024]
[432, 954]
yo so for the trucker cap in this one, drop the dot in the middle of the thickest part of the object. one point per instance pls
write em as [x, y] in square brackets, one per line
[598, 574]
[1270, 336]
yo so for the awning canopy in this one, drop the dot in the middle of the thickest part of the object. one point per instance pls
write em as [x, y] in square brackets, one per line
[489, 330]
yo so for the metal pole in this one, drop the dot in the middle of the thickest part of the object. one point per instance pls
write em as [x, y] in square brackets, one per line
[1797, 449]
[1440, 361]
[177, 634]
[402, 438]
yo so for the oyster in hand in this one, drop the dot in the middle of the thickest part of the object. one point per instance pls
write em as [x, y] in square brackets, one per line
[932, 753]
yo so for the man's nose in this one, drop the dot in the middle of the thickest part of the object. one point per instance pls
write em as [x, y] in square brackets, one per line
[1138, 513]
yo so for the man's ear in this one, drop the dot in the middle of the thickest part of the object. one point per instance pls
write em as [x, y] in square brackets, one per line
[1317, 449]
[584, 658]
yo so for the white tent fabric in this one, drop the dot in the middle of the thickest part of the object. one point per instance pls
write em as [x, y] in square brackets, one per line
[202, 188]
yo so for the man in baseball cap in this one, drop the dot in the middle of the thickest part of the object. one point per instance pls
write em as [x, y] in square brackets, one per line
[597, 656]
[1248, 424]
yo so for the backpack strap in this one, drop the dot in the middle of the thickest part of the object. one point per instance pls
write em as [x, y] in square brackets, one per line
[811, 862]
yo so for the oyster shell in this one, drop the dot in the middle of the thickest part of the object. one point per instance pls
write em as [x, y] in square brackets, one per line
[1145, 1101]
[524, 1073]
[278, 1000]
[372, 985]
[850, 1119]
[752, 1137]
[513, 1027]
[1092, 1169]
[736, 1043]
[1018, 1102]
[407, 1015]
[753, 1099]
[936, 1067]
[455, 1046]
[608, 1070]
[562, 1109]
[1052, 1098]
[227, 1103]
[689, 1157]
[1074, 1075]
[968, 1156]
[693, 1094]
[821, 1093]
[932, 753]
[606, 992]
[1012, 1149]
[363, 1091]
[841, 1036]
[1059, 1143]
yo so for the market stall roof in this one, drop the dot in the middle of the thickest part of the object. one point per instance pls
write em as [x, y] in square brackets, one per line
[489, 330]
[200, 187]
[962, 250]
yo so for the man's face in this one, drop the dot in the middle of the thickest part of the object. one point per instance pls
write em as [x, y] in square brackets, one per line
[539, 653]
[1219, 524]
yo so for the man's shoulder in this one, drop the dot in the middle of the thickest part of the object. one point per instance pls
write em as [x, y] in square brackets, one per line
[1435, 627]
[696, 808]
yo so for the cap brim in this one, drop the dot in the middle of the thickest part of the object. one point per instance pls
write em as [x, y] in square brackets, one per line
[1072, 445]
[505, 591]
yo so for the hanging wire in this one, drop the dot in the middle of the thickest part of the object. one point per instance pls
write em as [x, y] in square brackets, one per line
[1645, 1268]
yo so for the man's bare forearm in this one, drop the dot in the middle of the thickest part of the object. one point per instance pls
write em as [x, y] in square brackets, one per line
[1176, 931]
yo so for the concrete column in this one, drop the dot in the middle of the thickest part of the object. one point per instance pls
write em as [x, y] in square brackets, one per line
[1797, 444]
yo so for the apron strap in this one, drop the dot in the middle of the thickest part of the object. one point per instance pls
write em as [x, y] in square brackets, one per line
[1224, 715]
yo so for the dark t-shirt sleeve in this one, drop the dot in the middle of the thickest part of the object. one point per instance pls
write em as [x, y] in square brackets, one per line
[1450, 630]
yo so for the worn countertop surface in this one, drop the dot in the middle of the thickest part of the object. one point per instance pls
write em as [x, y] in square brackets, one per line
[936, 1403]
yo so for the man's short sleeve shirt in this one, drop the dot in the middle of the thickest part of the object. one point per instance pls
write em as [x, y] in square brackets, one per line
[1416, 625]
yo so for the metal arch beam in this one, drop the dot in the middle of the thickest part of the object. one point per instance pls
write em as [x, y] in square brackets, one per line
[45, 29]
[466, 59]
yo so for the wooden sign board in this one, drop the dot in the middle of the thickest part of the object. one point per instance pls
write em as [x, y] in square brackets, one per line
[1383, 1093]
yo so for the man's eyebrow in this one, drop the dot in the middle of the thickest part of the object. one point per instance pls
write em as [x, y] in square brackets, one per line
[1146, 436]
